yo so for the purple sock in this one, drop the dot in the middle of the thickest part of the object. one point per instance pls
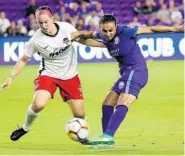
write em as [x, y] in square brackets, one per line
[107, 112]
[116, 119]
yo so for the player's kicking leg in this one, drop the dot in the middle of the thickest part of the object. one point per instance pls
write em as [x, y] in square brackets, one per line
[115, 120]
[107, 111]
[128, 91]
[40, 100]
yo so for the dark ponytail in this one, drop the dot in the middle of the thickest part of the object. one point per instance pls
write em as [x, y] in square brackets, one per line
[106, 18]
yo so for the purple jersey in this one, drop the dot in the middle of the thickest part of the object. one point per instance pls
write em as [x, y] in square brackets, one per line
[124, 48]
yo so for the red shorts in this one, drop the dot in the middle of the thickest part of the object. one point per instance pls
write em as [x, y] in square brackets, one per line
[69, 89]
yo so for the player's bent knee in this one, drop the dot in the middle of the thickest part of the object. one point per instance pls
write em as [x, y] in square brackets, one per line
[41, 98]
[111, 99]
[38, 105]
[126, 99]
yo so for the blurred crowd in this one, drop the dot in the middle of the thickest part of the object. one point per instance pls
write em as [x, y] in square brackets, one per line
[85, 15]
[162, 13]
[81, 13]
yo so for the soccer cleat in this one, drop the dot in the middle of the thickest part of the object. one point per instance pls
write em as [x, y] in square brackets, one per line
[102, 140]
[17, 134]
[101, 146]
[84, 142]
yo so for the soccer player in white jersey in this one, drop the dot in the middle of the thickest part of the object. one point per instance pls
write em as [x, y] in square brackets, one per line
[58, 68]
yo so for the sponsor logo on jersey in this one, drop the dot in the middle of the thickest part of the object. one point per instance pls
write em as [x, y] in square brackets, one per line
[116, 40]
[66, 41]
[58, 51]
[114, 52]
[121, 85]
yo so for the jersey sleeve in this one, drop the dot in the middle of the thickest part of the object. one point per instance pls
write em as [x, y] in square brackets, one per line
[30, 49]
[70, 28]
[130, 30]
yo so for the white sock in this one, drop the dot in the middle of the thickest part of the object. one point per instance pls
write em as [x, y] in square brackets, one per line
[30, 117]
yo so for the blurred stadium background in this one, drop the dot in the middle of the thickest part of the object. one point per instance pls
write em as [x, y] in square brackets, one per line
[17, 17]
[155, 123]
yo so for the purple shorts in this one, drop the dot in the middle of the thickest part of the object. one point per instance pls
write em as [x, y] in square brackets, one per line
[131, 82]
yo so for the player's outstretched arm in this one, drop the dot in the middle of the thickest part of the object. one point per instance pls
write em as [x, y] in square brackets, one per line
[85, 37]
[160, 28]
[88, 39]
[16, 70]
[75, 36]
[92, 43]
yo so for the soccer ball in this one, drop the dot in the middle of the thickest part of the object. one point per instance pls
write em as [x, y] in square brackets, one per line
[77, 129]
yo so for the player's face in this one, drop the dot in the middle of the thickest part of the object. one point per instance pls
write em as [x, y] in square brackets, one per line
[108, 30]
[45, 22]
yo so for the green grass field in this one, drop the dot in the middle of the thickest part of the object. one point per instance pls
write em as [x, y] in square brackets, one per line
[154, 124]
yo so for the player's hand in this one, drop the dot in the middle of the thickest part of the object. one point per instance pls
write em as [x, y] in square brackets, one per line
[87, 34]
[102, 13]
[179, 28]
[7, 83]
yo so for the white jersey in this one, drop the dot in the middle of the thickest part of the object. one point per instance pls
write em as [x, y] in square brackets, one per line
[59, 59]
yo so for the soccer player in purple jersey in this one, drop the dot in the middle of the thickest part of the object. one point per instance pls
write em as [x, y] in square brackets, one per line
[121, 44]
